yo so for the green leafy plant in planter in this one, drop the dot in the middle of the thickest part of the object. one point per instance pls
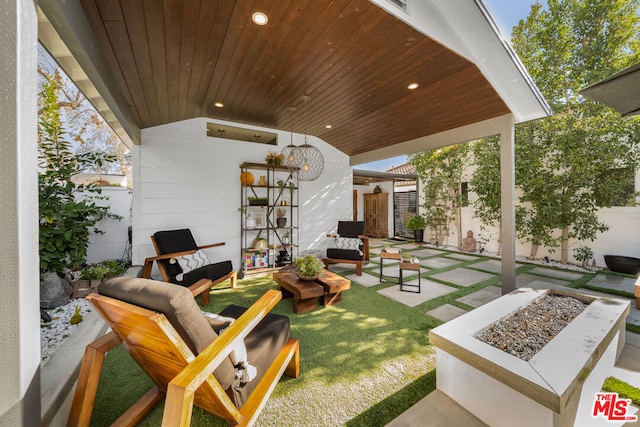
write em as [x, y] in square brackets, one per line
[417, 224]
[308, 267]
[584, 254]
[92, 275]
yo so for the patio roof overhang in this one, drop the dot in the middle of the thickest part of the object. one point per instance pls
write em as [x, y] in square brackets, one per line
[365, 177]
[620, 91]
[354, 58]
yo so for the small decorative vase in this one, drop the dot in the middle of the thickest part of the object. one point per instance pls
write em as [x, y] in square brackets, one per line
[262, 182]
[251, 223]
[281, 222]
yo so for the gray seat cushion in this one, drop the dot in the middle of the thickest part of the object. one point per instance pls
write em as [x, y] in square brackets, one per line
[180, 308]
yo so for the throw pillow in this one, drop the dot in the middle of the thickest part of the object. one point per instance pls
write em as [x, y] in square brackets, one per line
[190, 262]
[350, 243]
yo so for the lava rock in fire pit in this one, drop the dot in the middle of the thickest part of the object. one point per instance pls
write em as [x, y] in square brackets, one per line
[525, 332]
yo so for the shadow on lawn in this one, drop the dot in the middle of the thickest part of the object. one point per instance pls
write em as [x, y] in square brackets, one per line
[344, 344]
[390, 408]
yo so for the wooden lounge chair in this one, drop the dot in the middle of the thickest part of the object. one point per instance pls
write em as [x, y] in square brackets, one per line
[162, 328]
[181, 262]
[352, 246]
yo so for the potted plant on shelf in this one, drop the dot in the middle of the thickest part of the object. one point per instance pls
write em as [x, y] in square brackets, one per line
[258, 201]
[416, 223]
[250, 222]
[308, 267]
[281, 219]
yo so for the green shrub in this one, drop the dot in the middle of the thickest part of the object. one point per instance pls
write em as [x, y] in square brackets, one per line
[68, 211]
[416, 222]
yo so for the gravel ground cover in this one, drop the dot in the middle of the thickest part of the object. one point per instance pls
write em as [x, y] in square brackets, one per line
[529, 329]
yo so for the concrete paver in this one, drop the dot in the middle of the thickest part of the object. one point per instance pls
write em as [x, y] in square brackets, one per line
[462, 257]
[365, 280]
[426, 252]
[558, 274]
[429, 290]
[609, 281]
[482, 296]
[439, 262]
[463, 276]
[446, 312]
[490, 265]
[526, 279]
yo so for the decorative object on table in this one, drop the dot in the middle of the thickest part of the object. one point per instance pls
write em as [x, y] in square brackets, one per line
[281, 220]
[416, 223]
[246, 178]
[308, 267]
[292, 156]
[262, 182]
[312, 160]
[274, 159]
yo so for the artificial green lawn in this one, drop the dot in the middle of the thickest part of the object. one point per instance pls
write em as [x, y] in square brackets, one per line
[363, 361]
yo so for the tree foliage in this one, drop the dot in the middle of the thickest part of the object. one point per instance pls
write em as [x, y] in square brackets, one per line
[441, 172]
[86, 129]
[68, 211]
[564, 162]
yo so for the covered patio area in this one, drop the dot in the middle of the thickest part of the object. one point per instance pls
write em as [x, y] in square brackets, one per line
[155, 74]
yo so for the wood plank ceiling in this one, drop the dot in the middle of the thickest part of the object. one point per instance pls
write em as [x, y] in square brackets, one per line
[173, 59]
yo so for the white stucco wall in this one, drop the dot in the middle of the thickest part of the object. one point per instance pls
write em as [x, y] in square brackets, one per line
[184, 179]
[618, 240]
[113, 243]
[19, 270]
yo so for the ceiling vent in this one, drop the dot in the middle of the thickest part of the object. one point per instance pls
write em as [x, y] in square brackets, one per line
[402, 4]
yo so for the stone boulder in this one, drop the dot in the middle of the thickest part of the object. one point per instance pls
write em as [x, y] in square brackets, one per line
[54, 290]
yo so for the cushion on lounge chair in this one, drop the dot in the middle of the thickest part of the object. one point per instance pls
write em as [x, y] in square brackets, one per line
[335, 253]
[262, 344]
[350, 228]
[172, 241]
[180, 308]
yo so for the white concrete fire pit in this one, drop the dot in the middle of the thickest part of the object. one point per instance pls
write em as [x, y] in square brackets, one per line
[504, 390]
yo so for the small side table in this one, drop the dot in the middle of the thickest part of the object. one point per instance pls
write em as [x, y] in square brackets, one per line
[404, 265]
[388, 255]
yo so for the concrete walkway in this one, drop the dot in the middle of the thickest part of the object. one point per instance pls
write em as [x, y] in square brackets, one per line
[453, 284]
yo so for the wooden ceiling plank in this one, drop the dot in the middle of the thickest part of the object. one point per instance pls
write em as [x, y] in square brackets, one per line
[134, 15]
[173, 31]
[191, 10]
[225, 60]
[205, 28]
[216, 39]
[93, 15]
[154, 24]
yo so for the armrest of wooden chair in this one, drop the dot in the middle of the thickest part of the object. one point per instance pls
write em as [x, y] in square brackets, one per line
[181, 390]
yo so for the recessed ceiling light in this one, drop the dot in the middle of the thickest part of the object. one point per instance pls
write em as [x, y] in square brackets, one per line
[328, 126]
[260, 18]
[218, 104]
[412, 86]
